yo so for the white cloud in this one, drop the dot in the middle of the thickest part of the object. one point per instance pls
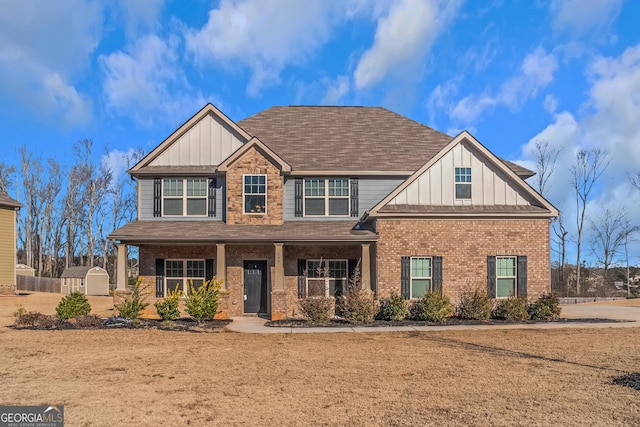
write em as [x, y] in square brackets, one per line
[580, 16]
[139, 16]
[264, 36]
[536, 72]
[403, 37]
[336, 91]
[147, 80]
[43, 46]
[610, 123]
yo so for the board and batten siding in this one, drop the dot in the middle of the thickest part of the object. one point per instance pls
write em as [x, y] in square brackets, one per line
[436, 185]
[145, 187]
[7, 246]
[207, 143]
[370, 191]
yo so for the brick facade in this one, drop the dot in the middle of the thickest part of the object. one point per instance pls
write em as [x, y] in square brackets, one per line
[254, 163]
[464, 245]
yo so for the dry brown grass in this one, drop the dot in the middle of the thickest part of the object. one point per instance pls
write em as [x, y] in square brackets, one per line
[153, 377]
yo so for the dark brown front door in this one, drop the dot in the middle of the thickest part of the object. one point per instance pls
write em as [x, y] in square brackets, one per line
[255, 286]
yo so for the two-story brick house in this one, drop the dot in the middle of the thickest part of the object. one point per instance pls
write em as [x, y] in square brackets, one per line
[261, 202]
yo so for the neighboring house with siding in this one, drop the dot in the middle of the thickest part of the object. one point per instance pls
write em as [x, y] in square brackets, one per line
[261, 202]
[8, 209]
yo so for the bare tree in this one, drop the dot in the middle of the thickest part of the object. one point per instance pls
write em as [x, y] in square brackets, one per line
[546, 157]
[585, 172]
[611, 231]
[635, 180]
[30, 230]
[6, 177]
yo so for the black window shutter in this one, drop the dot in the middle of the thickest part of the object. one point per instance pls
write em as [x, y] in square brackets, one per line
[436, 276]
[352, 263]
[302, 266]
[211, 201]
[405, 277]
[354, 196]
[159, 277]
[157, 197]
[298, 196]
[522, 276]
[491, 276]
[209, 268]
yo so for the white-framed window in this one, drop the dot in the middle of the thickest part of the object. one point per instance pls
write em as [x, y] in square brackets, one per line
[254, 194]
[178, 272]
[506, 276]
[317, 285]
[421, 276]
[326, 197]
[184, 197]
[463, 183]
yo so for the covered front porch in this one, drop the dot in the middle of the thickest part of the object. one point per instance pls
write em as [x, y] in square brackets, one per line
[262, 274]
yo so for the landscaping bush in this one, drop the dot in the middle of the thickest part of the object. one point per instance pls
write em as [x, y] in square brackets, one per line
[168, 308]
[49, 321]
[475, 305]
[132, 305]
[317, 310]
[393, 308]
[513, 309]
[24, 318]
[73, 305]
[547, 307]
[89, 321]
[432, 307]
[202, 303]
[358, 304]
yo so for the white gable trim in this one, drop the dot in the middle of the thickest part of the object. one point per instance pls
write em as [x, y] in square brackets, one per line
[206, 110]
[465, 136]
[254, 142]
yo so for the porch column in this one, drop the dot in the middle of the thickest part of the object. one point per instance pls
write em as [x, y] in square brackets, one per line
[121, 267]
[278, 282]
[221, 263]
[366, 267]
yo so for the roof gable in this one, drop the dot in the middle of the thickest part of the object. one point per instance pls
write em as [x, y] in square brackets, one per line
[8, 202]
[266, 151]
[494, 184]
[205, 140]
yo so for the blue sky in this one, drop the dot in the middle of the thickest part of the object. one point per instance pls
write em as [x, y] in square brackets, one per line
[127, 73]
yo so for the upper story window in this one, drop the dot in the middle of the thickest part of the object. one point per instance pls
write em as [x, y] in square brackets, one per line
[255, 194]
[463, 183]
[326, 197]
[184, 197]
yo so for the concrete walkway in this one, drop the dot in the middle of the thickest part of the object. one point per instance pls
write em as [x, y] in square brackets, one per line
[256, 325]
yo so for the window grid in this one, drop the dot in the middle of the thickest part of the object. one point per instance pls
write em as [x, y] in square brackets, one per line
[335, 284]
[255, 194]
[463, 183]
[421, 275]
[175, 277]
[184, 197]
[506, 276]
[326, 197]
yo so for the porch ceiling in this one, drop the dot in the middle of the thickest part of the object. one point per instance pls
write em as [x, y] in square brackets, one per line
[162, 231]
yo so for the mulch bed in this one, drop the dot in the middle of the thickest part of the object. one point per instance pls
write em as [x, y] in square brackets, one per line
[184, 324]
[302, 323]
[630, 380]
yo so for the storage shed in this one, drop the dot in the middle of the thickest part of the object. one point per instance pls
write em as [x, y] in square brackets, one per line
[86, 280]
[25, 270]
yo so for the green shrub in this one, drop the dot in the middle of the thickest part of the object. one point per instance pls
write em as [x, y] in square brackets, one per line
[547, 307]
[512, 309]
[475, 305]
[202, 303]
[393, 308]
[318, 310]
[358, 304]
[73, 305]
[89, 321]
[133, 304]
[432, 307]
[168, 308]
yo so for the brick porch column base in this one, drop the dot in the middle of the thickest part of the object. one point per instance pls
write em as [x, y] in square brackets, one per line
[278, 305]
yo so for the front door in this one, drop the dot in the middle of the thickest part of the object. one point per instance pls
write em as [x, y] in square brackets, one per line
[255, 286]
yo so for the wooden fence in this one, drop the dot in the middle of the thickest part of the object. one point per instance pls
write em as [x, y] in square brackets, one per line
[38, 284]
